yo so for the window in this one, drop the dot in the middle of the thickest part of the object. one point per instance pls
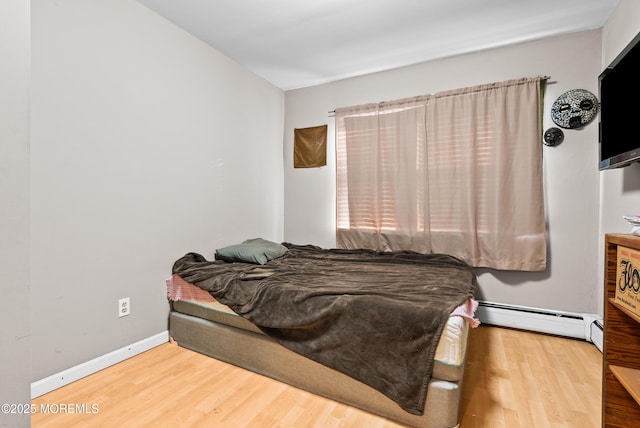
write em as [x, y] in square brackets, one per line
[458, 172]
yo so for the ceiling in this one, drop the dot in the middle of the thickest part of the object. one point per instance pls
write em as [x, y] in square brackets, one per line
[300, 43]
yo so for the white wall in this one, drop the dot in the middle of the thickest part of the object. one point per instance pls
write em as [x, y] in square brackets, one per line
[145, 144]
[570, 170]
[620, 188]
[14, 214]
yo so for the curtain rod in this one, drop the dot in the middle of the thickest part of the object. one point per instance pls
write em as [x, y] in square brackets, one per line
[545, 78]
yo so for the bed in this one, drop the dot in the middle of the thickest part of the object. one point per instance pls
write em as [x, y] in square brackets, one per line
[384, 332]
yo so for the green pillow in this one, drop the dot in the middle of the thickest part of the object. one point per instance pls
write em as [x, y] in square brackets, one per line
[256, 250]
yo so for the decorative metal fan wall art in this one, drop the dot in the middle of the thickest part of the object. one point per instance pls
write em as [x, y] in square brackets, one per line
[574, 109]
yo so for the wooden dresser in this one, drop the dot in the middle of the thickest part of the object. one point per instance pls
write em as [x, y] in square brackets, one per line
[621, 353]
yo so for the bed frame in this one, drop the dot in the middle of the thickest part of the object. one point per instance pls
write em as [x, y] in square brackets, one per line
[238, 342]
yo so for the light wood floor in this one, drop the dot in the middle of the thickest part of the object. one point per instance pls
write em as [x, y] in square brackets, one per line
[514, 379]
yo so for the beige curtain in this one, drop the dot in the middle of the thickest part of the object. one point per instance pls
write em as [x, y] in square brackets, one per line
[382, 178]
[458, 172]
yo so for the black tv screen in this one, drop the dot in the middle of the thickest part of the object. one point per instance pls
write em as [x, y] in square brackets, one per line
[619, 86]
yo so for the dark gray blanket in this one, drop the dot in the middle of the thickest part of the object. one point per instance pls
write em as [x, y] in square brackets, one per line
[376, 317]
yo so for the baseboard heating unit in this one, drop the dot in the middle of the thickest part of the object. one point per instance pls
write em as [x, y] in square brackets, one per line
[580, 326]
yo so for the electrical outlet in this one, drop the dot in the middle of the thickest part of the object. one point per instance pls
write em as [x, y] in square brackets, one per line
[124, 307]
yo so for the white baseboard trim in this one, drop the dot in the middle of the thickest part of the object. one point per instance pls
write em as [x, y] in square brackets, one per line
[48, 384]
[560, 323]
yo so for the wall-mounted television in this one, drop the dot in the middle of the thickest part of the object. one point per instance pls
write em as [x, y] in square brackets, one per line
[619, 86]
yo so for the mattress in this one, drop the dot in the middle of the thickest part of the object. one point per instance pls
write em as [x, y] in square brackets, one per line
[449, 357]
[260, 354]
[376, 317]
